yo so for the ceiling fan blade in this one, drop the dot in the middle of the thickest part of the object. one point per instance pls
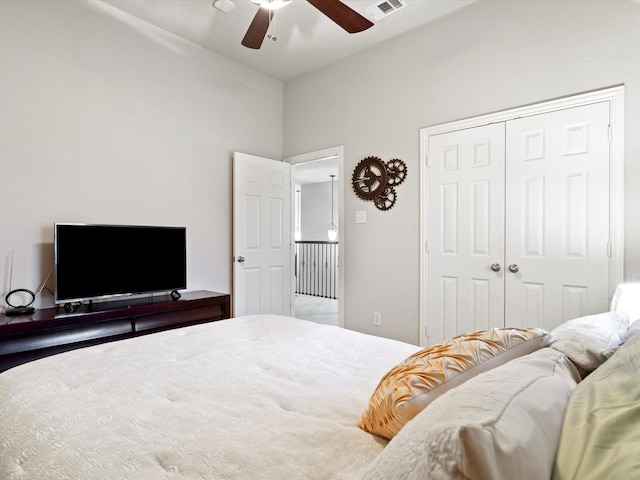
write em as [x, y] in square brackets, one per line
[258, 29]
[343, 15]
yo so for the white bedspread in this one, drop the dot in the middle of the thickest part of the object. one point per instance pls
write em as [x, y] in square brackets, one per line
[257, 397]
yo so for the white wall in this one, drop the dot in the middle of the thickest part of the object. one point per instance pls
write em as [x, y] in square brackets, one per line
[315, 203]
[490, 56]
[106, 119]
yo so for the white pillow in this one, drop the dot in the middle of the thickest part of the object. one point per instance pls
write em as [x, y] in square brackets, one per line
[627, 298]
[503, 424]
[589, 341]
[634, 329]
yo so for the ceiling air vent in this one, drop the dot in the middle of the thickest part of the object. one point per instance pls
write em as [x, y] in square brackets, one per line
[383, 9]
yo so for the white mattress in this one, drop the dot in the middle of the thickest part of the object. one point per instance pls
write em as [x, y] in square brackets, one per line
[257, 397]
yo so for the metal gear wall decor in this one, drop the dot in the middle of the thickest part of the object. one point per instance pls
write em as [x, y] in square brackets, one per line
[386, 199]
[396, 172]
[369, 178]
[375, 180]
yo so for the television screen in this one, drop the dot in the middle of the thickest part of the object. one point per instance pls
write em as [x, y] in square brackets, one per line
[97, 261]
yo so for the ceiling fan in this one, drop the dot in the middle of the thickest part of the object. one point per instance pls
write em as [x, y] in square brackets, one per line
[341, 14]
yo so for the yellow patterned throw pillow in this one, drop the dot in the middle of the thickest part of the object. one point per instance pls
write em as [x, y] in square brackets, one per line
[412, 385]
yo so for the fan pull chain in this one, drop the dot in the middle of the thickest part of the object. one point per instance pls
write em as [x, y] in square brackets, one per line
[271, 32]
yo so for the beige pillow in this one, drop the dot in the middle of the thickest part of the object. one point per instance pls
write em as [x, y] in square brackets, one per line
[504, 424]
[412, 385]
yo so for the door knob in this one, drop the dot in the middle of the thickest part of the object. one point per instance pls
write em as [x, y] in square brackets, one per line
[495, 267]
[513, 268]
[240, 259]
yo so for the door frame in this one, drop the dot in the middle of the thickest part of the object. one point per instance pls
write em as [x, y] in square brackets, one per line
[615, 97]
[337, 151]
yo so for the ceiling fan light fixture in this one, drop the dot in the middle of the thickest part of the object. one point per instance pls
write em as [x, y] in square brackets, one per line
[337, 11]
[272, 4]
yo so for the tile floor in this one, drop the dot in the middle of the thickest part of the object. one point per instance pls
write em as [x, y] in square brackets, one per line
[316, 309]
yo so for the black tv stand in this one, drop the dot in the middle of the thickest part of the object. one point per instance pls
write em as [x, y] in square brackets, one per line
[53, 330]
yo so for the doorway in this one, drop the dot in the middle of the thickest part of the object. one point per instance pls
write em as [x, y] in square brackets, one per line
[317, 220]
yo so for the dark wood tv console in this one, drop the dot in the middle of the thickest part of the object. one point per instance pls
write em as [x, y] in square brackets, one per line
[52, 330]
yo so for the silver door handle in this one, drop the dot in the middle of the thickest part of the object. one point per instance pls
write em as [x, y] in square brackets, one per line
[240, 259]
[513, 268]
[496, 267]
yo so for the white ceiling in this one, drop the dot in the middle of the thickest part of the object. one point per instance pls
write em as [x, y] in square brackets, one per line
[307, 39]
[316, 171]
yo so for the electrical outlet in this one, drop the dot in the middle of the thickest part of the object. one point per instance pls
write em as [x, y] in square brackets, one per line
[377, 319]
[361, 216]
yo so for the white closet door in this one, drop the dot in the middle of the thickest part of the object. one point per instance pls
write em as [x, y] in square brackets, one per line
[557, 216]
[465, 216]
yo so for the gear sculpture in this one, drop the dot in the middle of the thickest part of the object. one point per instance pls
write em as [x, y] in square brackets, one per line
[374, 180]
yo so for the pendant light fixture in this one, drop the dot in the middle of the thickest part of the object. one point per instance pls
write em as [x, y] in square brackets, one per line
[298, 233]
[332, 229]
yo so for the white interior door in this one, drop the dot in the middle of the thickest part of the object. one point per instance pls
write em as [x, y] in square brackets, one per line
[465, 216]
[563, 211]
[261, 235]
[557, 216]
[531, 195]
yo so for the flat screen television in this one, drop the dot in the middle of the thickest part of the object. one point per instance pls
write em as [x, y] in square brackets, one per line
[100, 261]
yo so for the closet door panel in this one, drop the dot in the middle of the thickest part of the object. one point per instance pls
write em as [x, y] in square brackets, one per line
[465, 196]
[557, 216]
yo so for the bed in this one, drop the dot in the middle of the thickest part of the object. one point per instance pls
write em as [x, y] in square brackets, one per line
[253, 397]
[272, 397]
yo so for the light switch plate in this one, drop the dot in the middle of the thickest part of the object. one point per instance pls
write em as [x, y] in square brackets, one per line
[361, 216]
